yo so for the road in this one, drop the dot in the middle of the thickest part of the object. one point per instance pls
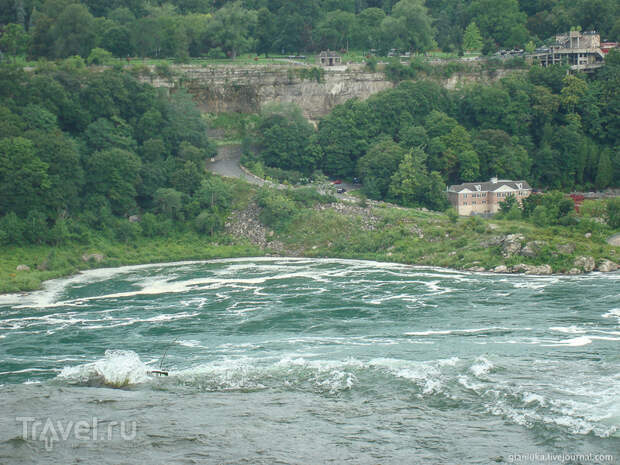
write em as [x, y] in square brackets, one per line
[226, 163]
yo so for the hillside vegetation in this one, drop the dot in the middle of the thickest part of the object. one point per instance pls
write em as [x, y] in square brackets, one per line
[181, 29]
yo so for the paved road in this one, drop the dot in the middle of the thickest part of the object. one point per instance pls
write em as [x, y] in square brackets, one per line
[227, 164]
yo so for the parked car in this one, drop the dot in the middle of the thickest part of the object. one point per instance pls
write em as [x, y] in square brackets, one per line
[337, 181]
[341, 190]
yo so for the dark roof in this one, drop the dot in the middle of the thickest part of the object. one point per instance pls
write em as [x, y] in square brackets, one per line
[489, 186]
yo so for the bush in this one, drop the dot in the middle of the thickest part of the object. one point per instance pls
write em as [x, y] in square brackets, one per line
[12, 229]
[475, 223]
[277, 210]
[453, 216]
[613, 213]
[99, 56]
[540, 216]
[208, 222]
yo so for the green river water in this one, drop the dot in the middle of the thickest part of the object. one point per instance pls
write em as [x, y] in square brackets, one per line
[308, 362]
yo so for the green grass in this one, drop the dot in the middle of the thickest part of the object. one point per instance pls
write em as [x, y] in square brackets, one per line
[67, 259]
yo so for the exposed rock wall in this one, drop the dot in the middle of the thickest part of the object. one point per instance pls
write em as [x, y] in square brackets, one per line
[246, 89]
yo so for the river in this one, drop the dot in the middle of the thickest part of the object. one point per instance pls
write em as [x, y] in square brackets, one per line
[304, 361]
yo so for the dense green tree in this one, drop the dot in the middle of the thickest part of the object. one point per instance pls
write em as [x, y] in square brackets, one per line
[14, 40]
[409, 27]
[500, 20]
[284, 139]
[412, 185]
[114, 173]
[472, 40]
[73, 32]
[604, 173]
[231, 29]
[24, 180]
[377, 167]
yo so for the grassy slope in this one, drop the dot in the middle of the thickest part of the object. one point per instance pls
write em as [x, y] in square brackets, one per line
[427, 238]
[67, 259]
[380, 233]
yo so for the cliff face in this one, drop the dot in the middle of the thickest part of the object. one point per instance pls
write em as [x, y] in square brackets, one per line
[219, 89]
[246, 89]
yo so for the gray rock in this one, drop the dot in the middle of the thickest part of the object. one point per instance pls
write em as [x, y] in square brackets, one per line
[22, 268]
[492, 226]
[585, 263]
[512, 244]
[476, 268]
[493, 241]
[607, 266]
[94, 257]
[532, 269]
[520, 268]
[588, 235]
[500, 269]
[134, 219]
[566, 249]
[542, 269]
[574, 271]
[532, 249]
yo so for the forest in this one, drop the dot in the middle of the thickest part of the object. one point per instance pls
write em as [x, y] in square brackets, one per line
[181, 29]
[553, 129]
[81, 152]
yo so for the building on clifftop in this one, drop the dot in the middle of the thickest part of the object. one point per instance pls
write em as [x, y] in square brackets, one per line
[484, 198]
[329, 58]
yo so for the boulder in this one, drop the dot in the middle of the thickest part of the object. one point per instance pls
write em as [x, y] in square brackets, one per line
[476, 268]
[574, 271]
[531, 269]
[134, 219]
[22, 268]
[542, 269]
[93, 257]
[588, 235]
[532, 249]
[492, 226]
[500, 269]
[512, 244]
[585, 263]
[520, 268]
[566, 249]
[607, 266]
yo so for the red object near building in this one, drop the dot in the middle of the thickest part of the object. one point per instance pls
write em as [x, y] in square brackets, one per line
[607, 46]
[578, 200]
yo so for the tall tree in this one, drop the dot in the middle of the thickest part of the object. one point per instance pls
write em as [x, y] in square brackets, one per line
[472, 40]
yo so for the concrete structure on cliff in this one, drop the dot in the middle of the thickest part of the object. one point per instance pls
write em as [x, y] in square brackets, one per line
[580, 50]
[484, 198]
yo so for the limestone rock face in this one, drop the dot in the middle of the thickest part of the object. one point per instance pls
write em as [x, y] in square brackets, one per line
[512, 244]
[566, 249]
[585, 263]
[22, 268]
[94, 257]
[532, 269]
[532, 249]
[542, 269]
[607, 266]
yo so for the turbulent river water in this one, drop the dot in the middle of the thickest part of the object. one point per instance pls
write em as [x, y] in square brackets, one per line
[311, 361]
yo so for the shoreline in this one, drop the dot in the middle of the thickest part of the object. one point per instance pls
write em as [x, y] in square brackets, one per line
[270, 256]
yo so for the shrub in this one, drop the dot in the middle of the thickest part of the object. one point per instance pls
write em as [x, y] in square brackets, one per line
[453, 216]
[475, 223]
[540, 216]
[613, 213]
[277, 210]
